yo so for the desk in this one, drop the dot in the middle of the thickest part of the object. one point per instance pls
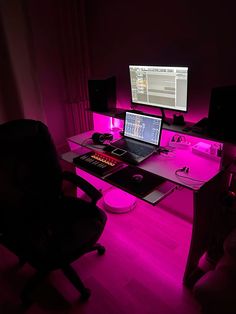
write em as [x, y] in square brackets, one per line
[205, 194]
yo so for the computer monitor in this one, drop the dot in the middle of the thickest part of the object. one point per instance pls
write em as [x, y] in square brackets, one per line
[164, 87]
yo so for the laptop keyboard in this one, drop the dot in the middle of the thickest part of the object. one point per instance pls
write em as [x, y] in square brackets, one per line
[134, 148]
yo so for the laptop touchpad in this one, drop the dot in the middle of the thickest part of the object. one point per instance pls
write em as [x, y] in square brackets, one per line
[118, 152]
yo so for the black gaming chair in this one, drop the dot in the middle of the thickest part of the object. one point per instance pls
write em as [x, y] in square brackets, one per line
[38, 222]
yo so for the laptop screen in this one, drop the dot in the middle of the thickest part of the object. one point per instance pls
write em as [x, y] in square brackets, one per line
[143, 127]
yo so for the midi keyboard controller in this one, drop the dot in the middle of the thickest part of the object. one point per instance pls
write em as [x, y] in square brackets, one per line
[97, 163]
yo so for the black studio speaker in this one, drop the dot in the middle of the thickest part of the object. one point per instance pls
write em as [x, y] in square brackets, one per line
[102, 94]
[221, 117]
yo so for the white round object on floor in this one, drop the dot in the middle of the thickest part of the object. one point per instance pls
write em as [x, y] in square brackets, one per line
[118, 201]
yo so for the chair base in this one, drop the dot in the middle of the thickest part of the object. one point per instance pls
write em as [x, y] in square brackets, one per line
[74, 278]
[68, 271]
[26, 295]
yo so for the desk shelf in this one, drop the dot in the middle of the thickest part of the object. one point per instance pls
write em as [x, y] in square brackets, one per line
[200, 168]
[153, 196]
[119, 113]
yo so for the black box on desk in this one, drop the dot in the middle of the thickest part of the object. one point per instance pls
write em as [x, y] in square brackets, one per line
[102, 94]
[221, 117]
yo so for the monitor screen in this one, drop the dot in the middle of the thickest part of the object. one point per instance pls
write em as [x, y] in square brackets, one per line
[159, 86]
[143, 127]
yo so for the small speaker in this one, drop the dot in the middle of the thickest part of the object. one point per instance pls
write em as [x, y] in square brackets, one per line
[102, 94]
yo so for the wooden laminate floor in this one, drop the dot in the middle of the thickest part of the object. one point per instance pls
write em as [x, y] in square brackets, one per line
[141, 271]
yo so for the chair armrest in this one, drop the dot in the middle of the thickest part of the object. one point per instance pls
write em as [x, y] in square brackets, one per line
[84, 185]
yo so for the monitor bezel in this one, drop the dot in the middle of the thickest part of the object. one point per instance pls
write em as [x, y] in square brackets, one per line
[149, 115]
[160, 107]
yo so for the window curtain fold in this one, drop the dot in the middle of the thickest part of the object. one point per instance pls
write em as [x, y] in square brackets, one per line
[75, 63]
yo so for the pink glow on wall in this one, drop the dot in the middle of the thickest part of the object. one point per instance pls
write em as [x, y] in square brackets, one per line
[116, 124]
[104, 123]
[101, 122]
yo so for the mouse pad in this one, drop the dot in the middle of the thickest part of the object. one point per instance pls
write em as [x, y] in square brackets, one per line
[124, 176]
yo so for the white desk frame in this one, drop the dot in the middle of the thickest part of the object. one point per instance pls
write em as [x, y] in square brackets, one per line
[205, 195]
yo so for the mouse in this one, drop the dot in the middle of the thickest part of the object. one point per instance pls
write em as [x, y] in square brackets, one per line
[137, 178]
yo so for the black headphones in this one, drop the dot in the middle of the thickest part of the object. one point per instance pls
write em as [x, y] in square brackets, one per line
[100, 138]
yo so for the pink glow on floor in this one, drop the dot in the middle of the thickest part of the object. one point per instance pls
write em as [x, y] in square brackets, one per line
[172, 214]
[146, 252]
[156, 237]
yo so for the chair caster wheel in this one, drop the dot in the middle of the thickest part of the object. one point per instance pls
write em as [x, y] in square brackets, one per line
[101, 250]
[85, 294]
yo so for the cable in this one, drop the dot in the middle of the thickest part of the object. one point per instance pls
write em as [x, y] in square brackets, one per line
[165, 152]
[85, 140]
[186, 170]
[99, 146]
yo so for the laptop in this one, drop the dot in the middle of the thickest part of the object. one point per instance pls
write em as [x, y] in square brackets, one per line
[142, 134]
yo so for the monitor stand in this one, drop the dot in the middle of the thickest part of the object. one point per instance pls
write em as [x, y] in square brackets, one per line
[164, 119]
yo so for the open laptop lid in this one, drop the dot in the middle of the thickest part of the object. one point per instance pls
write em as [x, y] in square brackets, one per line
[143, 127]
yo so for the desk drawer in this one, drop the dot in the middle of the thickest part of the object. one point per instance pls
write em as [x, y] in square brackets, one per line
[160, 192]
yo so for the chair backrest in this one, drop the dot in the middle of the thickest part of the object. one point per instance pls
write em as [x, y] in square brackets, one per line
[30, 172]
